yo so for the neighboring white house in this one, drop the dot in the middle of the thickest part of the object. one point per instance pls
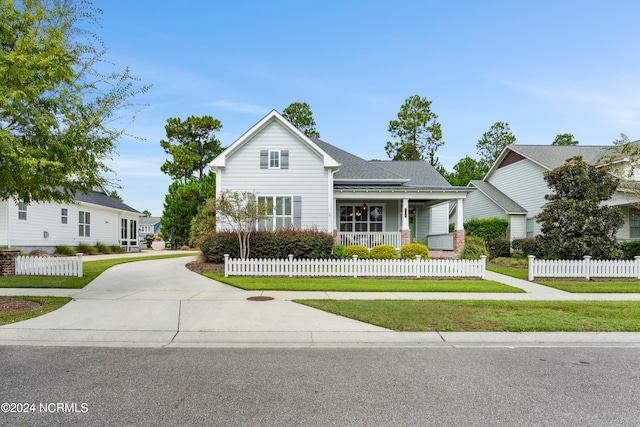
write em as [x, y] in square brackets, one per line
[95, 217]
[314, 185]
[514, 188]
[148, 225]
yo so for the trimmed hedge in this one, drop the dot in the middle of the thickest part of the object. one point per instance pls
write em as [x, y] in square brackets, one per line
[361, 251]
[499, 248]
[630, 249]
[487, 228]
[265, 244]
[412, 249]
[383, 252]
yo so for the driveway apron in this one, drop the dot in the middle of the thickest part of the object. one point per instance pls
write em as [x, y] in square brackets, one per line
[162, 302]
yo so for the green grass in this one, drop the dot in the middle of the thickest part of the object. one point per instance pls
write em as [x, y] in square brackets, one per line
[518, 273]
[489, 316]
[48, 304]
[594, 286]
[90, 270]
[574, 286]
[360, 284]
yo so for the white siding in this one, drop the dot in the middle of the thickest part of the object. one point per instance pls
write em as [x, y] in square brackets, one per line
[477, 205]
[523, 182]
[305, 177]
[4, 223]
[44, 229]
[439, 219]
[518, 226]
[423, 219]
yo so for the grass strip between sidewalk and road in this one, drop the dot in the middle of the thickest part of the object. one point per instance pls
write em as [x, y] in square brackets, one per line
[90, 270]
[334, 284]
[489, 316]
[594, 286]
[49, 304]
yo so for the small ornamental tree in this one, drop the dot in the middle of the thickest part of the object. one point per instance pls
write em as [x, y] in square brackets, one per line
[241, 212]
[575, 222]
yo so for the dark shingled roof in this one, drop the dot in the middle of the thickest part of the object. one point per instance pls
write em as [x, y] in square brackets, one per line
[553, 156]
[403, 173]
[498, 197]
[101, 199]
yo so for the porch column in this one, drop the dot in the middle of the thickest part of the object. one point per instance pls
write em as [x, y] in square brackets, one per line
[459, 232]
[404, 229]
[459, 215]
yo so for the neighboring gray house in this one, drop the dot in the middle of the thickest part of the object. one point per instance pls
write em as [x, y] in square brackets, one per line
[314, 185]
[95, 217]
[148, 225]
[514, 188]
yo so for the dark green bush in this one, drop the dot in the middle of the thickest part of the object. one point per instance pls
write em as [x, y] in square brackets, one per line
[350, 251]
[528, 246]
[630, 249]
[383, 252]
[412, 249]
[499, 248]
[304, 244]
[338, 251]
[474, 247]
[487, 228]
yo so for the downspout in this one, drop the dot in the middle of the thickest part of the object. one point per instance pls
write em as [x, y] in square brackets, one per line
[332, 206]
[7, 224]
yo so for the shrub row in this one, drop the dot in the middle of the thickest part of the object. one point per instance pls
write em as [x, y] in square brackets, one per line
[99, 248]
[304, 244]
[487, 228]
[381, 251]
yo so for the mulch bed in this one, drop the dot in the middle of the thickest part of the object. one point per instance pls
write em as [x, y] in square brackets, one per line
[15, 305]
[205, 267]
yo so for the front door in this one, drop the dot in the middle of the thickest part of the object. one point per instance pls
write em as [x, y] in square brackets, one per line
[412, 227]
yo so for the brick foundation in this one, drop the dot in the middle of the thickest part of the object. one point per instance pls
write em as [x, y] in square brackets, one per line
[405, 237]
[458, 241]
[8, 262]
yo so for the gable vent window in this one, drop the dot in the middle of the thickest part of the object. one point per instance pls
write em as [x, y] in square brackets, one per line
[274, 159]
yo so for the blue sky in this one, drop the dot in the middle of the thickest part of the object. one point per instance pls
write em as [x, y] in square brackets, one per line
[544, 67]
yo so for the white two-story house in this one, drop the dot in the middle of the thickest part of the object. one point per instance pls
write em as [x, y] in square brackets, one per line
[314, 185]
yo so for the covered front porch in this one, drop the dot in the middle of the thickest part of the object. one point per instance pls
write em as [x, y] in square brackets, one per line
[374, 217]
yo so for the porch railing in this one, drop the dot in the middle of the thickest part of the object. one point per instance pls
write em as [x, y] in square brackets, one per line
[371, 239]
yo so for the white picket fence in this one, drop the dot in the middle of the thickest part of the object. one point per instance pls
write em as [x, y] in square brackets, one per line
[586, 268]
[49, 266]
[354, 267]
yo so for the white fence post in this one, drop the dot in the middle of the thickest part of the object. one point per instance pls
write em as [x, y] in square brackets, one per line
[355, 266]
[80, 272]
[226, 265]
[637, 267]
[416, 266]
[531, 266]
[290, 265]
[483, 266]
[586, 265]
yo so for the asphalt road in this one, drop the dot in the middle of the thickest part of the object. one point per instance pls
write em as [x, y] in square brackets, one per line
[320, 387]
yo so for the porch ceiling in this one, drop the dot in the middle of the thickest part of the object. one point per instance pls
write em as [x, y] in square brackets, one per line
[401, 192]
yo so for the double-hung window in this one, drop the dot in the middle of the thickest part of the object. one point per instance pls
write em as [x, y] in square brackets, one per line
[282, 216]
[84, 224]
[64, 216]
[274, 159]
[22, 211]
[634, 223]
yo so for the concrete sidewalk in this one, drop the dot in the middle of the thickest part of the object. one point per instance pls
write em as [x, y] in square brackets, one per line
[160, 303]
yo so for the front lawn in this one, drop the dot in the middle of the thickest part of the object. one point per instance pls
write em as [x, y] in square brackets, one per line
[90, 270]
[334, 284]
[594, 286]
[10, 314]
[489, 316]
